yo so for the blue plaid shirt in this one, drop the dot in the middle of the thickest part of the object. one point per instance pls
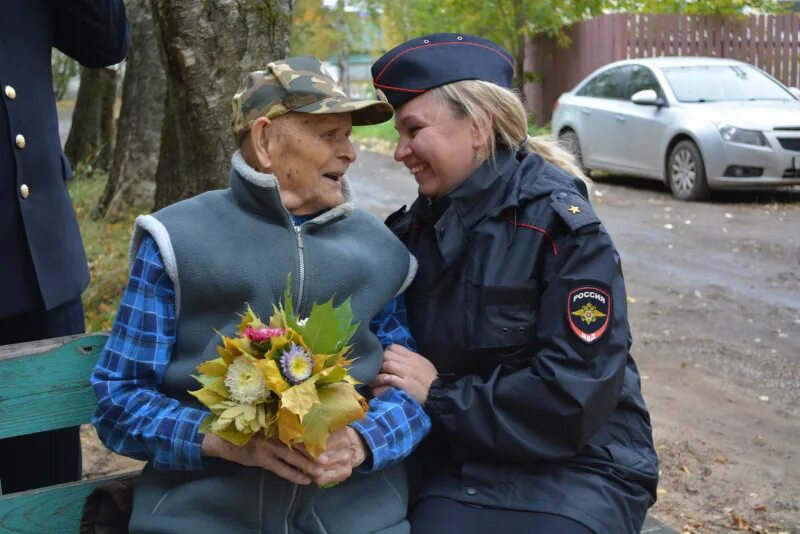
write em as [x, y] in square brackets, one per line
[135, 419]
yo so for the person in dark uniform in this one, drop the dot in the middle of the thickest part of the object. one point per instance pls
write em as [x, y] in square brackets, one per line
[44, 269]
[518, 309]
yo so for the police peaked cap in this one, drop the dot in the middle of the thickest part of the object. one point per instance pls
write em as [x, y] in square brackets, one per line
[410, 69]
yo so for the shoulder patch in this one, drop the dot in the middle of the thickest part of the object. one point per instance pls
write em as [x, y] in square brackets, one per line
[573, 209]
[589, 310]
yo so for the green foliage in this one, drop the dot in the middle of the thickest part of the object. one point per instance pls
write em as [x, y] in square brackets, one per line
[539, 131]
[504, 21]
[350, 25]
[704, 7]
[329, 329]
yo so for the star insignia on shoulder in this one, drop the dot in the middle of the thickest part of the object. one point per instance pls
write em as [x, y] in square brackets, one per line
[574, 210]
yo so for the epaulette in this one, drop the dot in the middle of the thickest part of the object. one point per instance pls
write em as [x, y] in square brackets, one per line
[574, 210]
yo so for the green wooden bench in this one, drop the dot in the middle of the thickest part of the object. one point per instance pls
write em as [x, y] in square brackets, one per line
[44, 385]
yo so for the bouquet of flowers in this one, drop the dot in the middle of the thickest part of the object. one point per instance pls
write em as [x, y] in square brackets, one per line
[288, 378]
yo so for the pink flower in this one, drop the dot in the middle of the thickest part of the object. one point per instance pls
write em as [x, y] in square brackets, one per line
[260, 335]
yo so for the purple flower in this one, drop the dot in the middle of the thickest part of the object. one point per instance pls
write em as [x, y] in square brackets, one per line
[260, 335]
[296, 364]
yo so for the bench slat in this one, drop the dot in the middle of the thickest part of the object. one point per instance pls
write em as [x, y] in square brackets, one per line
[56, 509]
[47, 390]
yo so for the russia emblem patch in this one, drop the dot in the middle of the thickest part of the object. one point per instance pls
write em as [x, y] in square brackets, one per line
[588, 312]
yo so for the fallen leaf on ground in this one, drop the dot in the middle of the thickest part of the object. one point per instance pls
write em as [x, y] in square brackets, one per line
[739, 522]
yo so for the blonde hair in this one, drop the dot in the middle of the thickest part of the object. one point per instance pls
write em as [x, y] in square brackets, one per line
[487, 102]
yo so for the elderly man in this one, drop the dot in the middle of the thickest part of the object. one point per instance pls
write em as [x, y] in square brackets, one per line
[288, 210]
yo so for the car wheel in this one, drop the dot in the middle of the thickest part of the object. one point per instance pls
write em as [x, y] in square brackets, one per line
[686, 173]
[569, 142]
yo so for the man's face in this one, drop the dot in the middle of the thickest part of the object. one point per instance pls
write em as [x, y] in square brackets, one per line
[309, 154]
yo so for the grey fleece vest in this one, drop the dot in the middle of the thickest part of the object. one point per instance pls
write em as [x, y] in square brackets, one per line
[225, 248]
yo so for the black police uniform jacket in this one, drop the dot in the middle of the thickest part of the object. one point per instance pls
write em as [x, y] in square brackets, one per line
[43, 263]
[520, 303]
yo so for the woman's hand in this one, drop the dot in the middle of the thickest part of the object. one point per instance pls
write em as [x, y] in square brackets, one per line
[406, 370]
[345, 451]
[269, 454]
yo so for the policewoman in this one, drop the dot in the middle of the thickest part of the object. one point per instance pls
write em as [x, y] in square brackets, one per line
[518, 308]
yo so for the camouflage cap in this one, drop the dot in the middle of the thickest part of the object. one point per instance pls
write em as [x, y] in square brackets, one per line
[300, 84]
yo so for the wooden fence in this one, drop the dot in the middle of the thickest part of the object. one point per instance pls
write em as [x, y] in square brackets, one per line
[769, 42]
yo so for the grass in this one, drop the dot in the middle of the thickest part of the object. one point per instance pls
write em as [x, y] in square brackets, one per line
[376, 132]
[106, 250]
[386, 133]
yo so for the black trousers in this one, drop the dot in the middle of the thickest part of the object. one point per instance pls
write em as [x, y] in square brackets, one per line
[435, 515]
[46, 458]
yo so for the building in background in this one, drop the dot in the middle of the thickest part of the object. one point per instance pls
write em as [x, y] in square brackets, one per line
[359, 75]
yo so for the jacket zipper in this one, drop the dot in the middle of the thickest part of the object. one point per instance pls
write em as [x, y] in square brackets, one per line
[321, 526]
[289, 509]
[261, 502]
[298, 232]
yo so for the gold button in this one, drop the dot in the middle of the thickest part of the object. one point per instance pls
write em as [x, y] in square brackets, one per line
[10, 92]
[20, 140]
[24, 191]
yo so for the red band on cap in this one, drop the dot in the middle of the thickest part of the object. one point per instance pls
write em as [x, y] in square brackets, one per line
[378, 77]
[381, 86]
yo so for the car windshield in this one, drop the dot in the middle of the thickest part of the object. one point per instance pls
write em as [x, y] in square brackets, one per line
[722, 83]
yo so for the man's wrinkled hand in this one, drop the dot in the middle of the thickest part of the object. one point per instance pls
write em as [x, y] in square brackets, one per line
[269, 454]
[345, 451]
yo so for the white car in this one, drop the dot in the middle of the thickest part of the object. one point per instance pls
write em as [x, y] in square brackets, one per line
[696, 123]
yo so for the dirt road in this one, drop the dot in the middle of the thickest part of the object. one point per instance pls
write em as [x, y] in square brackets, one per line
[714, 301]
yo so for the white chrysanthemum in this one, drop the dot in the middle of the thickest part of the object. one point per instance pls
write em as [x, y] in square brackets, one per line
[245, 382]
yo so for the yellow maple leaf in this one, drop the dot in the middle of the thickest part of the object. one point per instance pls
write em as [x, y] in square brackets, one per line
[207, 397]
[300, 398]
[339, 405]
[290, 430]
[272, 375]
[217, 367]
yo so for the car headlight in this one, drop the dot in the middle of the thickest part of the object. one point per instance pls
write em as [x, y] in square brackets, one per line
[738, 135]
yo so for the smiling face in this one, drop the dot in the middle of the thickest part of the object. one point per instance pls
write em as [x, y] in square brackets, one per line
[436, 146]
[309, 154]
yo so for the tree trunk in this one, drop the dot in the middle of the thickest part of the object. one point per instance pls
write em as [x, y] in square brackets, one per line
[519, 48]
[344, 67]
[344, 47]
[91, 131]
[131, 179]
[207, 48]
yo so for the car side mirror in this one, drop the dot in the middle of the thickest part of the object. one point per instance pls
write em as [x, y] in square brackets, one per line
[795, 92]
[648, 97]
